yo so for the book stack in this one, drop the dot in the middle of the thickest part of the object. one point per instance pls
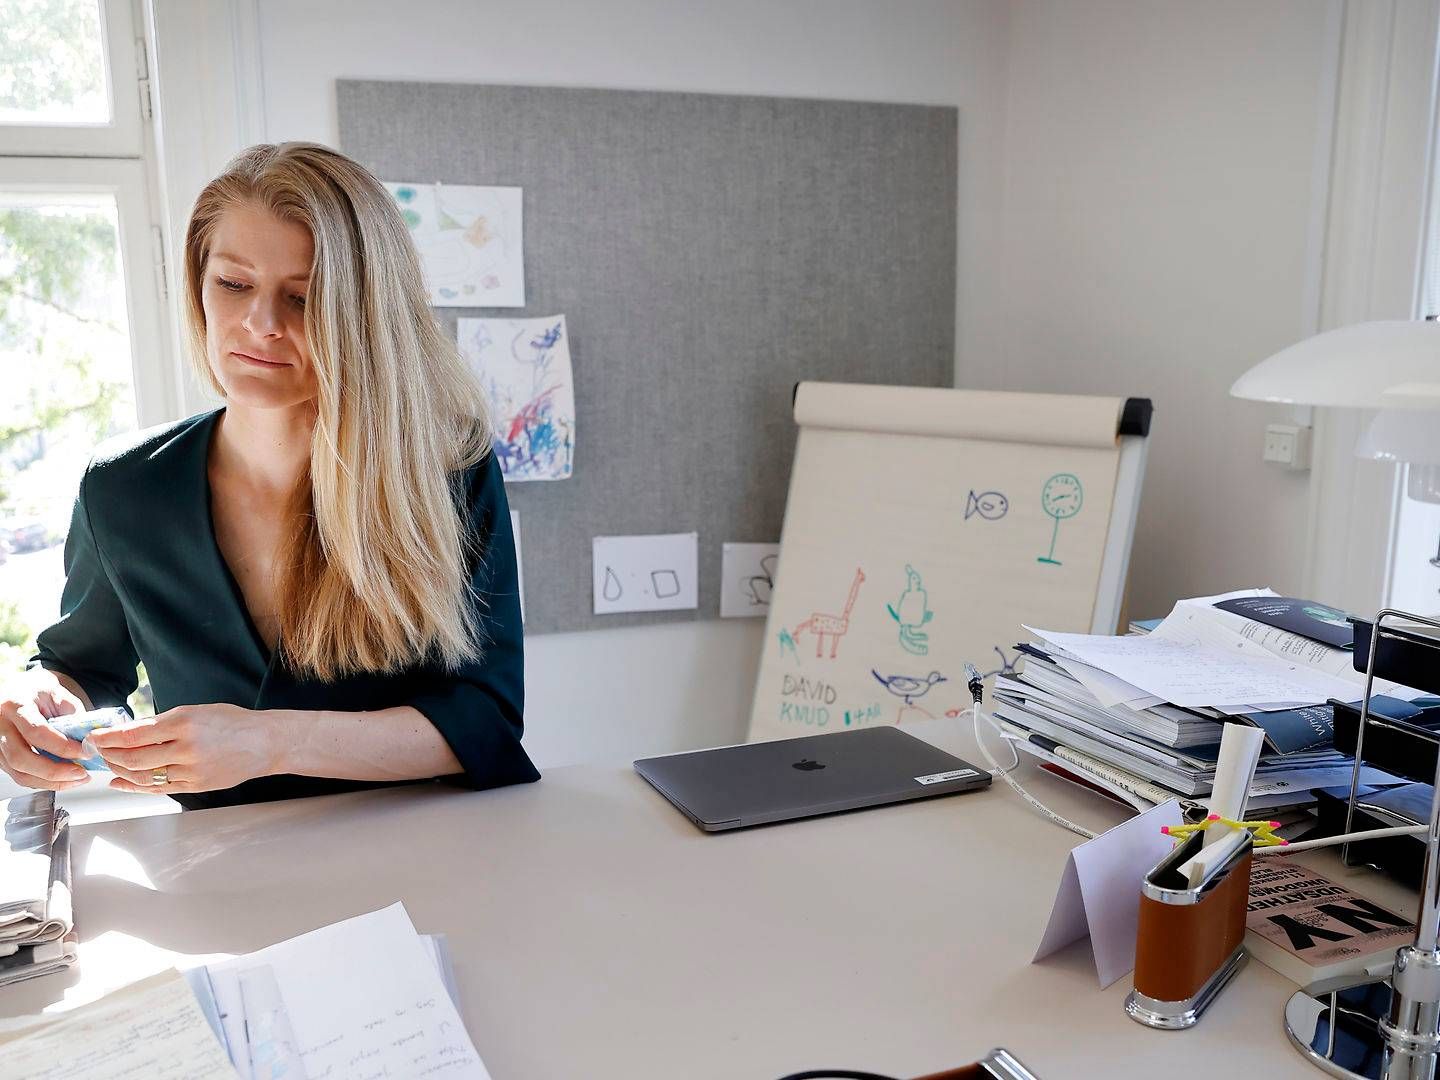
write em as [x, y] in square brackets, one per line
[37, 925]
[1071, 705]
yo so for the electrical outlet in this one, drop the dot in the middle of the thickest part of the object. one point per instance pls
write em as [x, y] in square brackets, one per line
[1288, 445]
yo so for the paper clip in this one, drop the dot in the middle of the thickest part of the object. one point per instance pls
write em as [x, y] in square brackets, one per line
[1262, 831]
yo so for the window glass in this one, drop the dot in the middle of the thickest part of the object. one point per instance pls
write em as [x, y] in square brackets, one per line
[66, 384]
[52, 68]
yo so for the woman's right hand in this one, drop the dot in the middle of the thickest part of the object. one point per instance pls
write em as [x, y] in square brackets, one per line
[24, 706]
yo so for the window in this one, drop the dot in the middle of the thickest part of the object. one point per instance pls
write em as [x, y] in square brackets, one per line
[81, 280]
[1415, 557]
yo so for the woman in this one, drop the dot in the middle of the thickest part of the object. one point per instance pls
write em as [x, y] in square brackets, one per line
[320, 576]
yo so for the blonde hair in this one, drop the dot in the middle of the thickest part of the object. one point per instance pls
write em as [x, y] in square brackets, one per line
[378, 578]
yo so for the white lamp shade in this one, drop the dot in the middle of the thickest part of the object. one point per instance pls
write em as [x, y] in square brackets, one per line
[1410, 436]
[1374, 365]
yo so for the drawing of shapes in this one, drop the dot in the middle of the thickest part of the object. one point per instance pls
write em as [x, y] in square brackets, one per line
[645, 573]
[610, 588]
[524, 366]
[747, 579]
[470, 240]
[664, 584]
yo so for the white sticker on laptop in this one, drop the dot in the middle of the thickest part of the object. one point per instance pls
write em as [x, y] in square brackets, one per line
[941, 777]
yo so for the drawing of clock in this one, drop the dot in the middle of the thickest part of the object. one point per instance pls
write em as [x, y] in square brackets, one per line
[1062, 495]
[1061, 498]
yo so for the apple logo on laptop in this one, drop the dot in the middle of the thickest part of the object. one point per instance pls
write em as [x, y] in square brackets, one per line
[806, 765]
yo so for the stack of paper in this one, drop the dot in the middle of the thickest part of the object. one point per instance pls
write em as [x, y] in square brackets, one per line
[1146, 712]
[37, 927]
[365, 997]
[369, 990]
[152, 1028]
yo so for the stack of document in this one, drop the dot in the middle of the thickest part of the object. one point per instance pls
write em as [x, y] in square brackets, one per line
[1141, 716]
[37, 926]
[365, 997]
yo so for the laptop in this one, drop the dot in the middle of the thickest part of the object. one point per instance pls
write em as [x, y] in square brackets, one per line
[731, 787]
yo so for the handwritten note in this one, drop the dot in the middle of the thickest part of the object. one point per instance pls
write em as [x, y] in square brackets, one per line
[153, 1028]
[365, 1000]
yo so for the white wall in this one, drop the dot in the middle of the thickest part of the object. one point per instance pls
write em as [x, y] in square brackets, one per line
[609, 694]
[1142, 212]
[1156, 214]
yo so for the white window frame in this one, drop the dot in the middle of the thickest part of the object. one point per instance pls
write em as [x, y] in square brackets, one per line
[139, 248]
[117, 158]
[1373, 185]
[126, 83]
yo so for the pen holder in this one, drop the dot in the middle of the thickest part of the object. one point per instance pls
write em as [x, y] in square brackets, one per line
[1189, 941]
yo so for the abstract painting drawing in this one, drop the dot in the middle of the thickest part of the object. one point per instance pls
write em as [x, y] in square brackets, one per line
[470, 241]
[524, 366]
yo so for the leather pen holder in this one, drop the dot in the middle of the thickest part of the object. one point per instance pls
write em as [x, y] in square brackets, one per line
[1189, 941]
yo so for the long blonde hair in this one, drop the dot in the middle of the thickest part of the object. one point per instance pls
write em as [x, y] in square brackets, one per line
[376, 576]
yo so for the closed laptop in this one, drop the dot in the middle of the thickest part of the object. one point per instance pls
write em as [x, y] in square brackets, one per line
[730, 787]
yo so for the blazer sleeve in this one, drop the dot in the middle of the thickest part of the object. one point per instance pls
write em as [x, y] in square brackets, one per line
[91, 643]
[479, 707]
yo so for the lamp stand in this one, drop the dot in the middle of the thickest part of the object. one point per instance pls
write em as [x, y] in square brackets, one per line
[1382, 1029]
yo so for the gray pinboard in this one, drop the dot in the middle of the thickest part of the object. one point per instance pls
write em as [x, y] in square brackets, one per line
[708, 252]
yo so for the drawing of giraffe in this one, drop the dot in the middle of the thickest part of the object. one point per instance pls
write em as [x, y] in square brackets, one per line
[831, 626]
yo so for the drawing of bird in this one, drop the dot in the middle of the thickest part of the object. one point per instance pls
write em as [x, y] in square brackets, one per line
[908, 686]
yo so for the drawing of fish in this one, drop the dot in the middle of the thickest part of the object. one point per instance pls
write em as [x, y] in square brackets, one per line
[990, 505]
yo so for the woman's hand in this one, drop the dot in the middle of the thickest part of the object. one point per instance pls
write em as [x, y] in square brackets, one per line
[188, 749]
[24, 707]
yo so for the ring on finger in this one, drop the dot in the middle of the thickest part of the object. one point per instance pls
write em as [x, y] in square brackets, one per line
[160, 776]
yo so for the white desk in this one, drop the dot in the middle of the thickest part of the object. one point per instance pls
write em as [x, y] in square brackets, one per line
[596, 933]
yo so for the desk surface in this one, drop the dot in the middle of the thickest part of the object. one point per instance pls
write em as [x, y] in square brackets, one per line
[595, 932]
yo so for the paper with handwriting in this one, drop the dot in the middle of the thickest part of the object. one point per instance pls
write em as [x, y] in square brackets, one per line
[153, 1028]
[364, 999]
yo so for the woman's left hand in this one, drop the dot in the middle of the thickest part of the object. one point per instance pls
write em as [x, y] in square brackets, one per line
[188, 749]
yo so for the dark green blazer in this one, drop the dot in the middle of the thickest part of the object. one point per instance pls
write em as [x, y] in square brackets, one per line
[145, 580]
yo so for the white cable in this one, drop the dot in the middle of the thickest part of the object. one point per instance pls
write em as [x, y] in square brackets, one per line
[1344, 838]
[1004, 774]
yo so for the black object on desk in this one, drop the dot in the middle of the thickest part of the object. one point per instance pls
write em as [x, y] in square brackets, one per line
[1401, 737]
[1404, 656]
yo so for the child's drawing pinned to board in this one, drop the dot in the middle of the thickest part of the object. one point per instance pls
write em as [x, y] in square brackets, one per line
[912, 611]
